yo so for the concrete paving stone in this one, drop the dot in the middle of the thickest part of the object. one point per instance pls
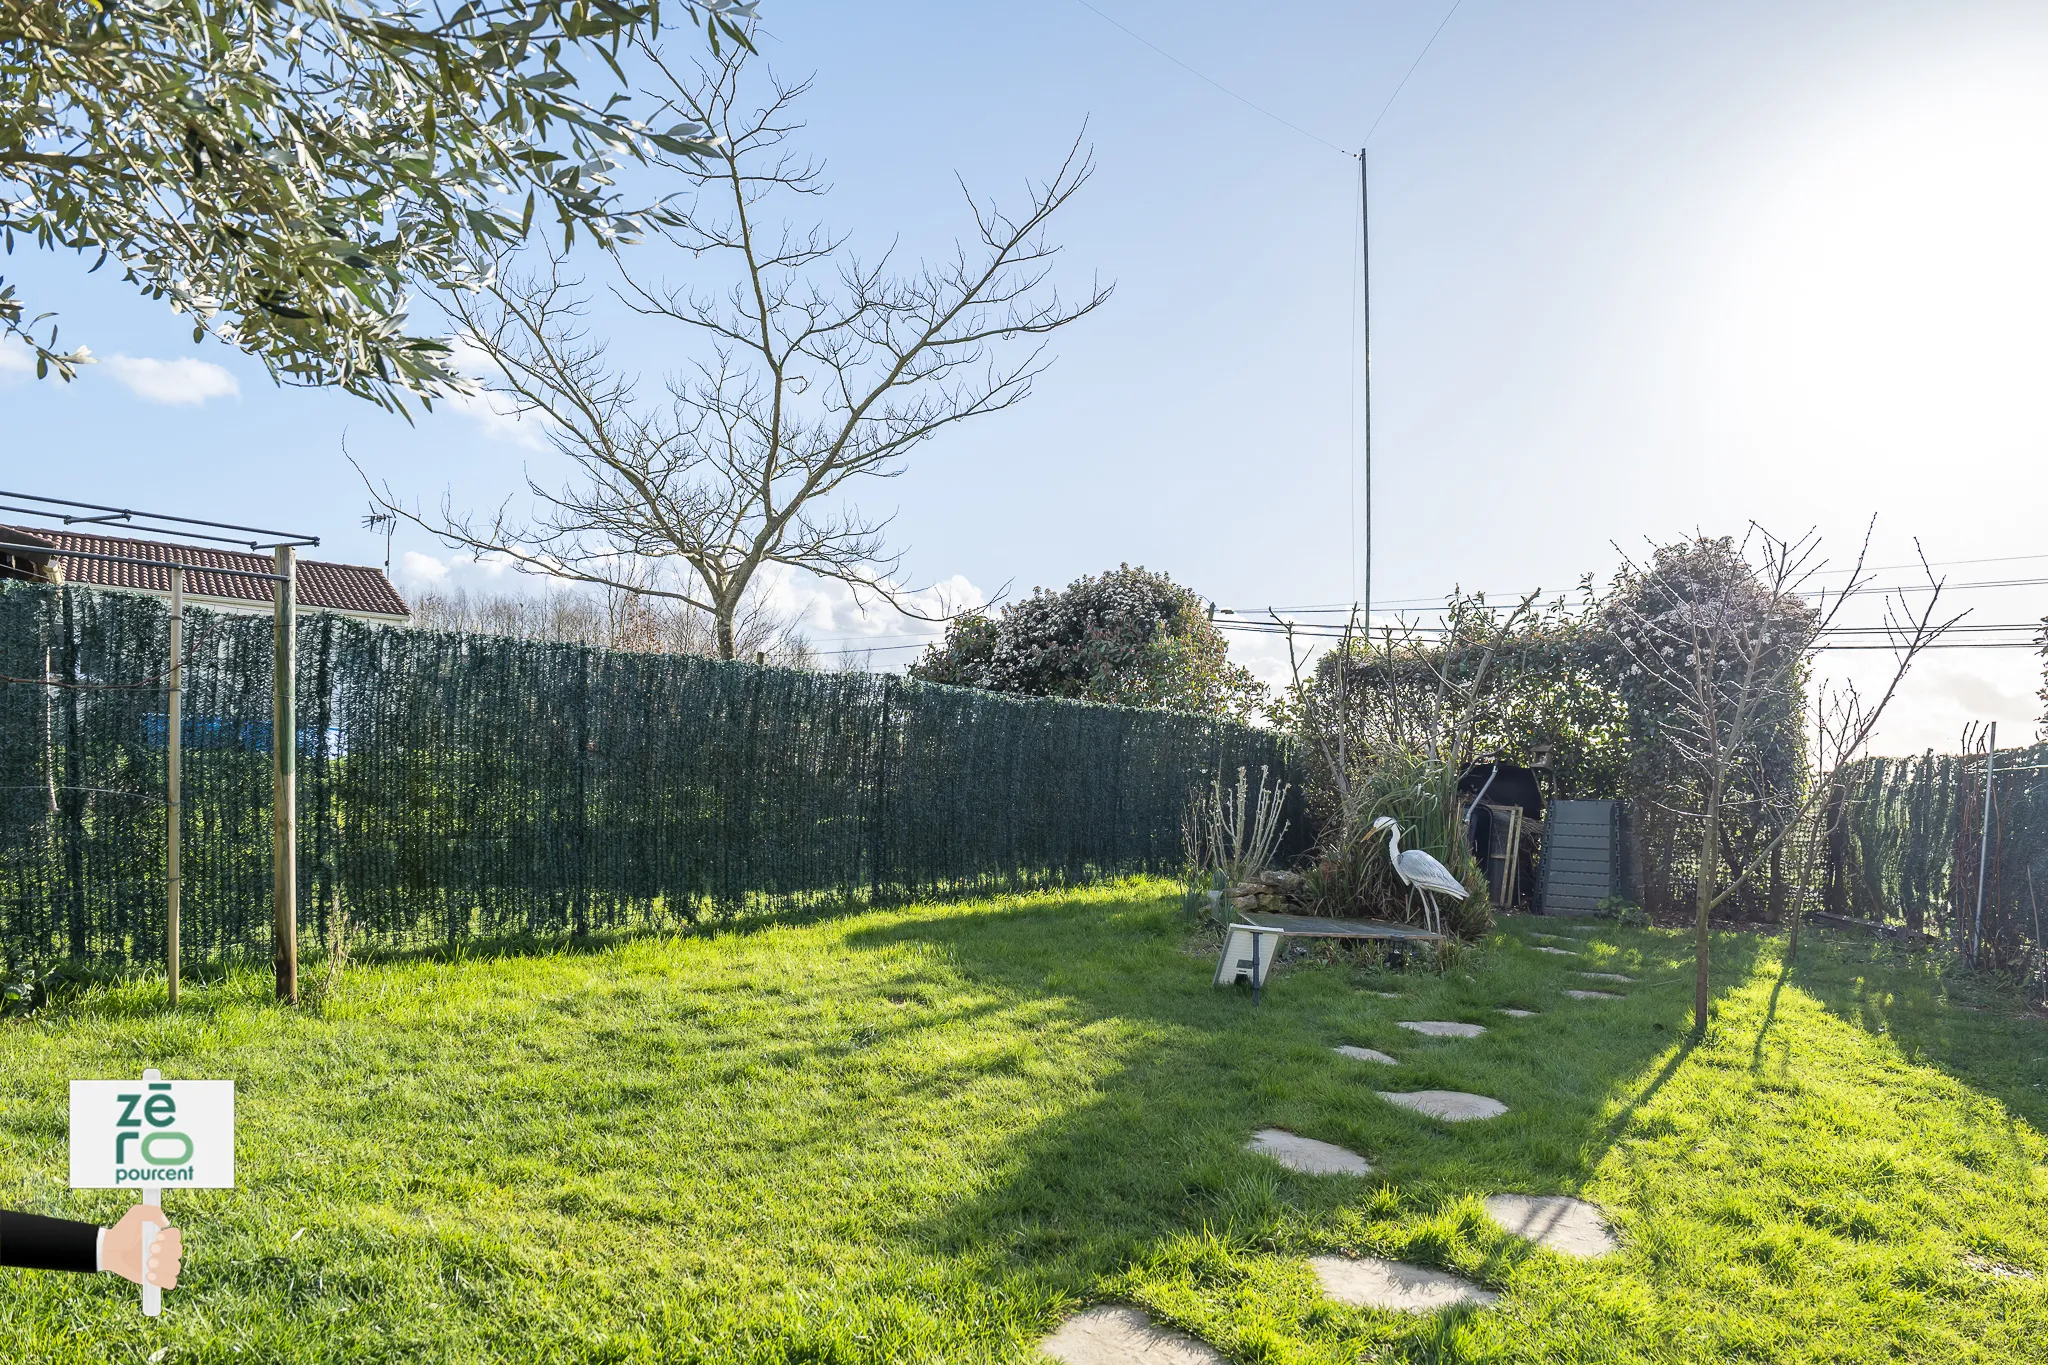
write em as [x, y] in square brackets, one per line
[1452, 1106]
[1517, 1014]
[1369, 1282]
[1364, 1054]
[1595, 995]
[1307, 1155]
[1606, 976]
[1386, 995]
[1557, 1221]
[1559, 952]
[1110, 1335]
[1443, 1028]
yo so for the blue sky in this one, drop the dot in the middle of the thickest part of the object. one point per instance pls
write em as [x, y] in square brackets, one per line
[1636, 269]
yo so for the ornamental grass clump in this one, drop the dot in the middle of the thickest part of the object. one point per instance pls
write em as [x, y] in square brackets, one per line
[1354, 877]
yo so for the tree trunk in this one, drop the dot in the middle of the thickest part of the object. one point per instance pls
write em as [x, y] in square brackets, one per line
[1710, 865]
[1776, 899]
[722, 622]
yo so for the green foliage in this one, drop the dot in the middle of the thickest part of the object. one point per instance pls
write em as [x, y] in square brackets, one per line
[1351, 875]
[1908, 846]
[929, 1133]
[1706, 590]
[1126, 636]
[283, 172]
[453, 787]
[1556, 680]
[1543, 683]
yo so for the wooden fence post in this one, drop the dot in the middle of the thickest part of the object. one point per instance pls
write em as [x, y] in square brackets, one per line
[174, 750]
[284, 816]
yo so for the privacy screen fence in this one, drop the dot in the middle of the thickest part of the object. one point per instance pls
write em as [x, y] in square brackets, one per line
[1908, 847]
[457, 786]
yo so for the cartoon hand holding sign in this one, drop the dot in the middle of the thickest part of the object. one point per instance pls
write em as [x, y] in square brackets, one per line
[145, 1134]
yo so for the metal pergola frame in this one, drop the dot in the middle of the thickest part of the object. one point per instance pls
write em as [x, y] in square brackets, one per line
[283, 578]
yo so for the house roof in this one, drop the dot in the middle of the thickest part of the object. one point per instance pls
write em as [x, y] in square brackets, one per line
[355, 589]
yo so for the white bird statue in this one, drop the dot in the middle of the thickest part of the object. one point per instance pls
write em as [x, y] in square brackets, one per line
[1420, 872]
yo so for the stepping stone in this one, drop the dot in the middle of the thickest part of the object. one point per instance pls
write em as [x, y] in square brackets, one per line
[1606, 976]
[1364, 1054]
[1595, 995]
[1369, 1282]
[1443, 1028]
[1452, 1106]
[1571, 1226]
[1386, 995]
[1307, 1155]
[1123, 1336]
[1560, 952]
[1517, 1014]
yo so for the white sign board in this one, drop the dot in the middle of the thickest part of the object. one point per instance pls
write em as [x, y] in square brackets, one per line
[152, 1133]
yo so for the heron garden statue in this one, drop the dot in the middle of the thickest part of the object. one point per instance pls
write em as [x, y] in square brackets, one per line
[1420, 872]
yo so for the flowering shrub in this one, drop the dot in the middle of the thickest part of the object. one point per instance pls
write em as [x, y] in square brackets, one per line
[1128, 636]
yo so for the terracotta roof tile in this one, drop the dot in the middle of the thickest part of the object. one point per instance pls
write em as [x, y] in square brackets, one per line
[353, 588]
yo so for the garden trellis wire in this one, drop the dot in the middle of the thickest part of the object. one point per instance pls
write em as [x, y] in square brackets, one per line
[456, 787]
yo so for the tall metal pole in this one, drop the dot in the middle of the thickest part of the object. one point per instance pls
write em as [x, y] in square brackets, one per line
[284, 819]
[1983, 842]
[1365, 245]
[175, 748]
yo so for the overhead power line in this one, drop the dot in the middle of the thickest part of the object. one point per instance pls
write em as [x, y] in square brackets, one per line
[1211, 80]
[1411, 69]
[1254, 105]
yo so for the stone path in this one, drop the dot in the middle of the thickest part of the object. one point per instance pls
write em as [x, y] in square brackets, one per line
[1110, 1335]
[1369, 1282]
[1452, 1106]
[1517, 1014]
[1306, 1154]
[1364, 1054]
[1594, 995]
[1560, 952]
[1443, 1028]
[1571, 1226]
[1606, 976]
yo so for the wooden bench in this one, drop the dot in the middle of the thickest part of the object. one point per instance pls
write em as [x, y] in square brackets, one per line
[1252, 943]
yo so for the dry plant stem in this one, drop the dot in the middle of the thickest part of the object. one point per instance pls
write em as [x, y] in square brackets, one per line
[1244, 828]
[817, 369]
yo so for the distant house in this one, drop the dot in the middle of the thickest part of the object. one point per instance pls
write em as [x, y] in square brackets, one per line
[351, 589]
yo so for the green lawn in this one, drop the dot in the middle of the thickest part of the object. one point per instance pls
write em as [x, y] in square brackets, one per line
[926, 1134]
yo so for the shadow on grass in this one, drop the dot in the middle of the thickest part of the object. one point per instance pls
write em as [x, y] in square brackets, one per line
[1153, 1162]
[1975, 1029]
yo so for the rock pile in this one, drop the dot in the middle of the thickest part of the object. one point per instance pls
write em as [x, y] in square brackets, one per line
[1270, 891]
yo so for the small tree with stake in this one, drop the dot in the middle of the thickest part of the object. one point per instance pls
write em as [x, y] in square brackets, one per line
[820, 369]
[1719, 645]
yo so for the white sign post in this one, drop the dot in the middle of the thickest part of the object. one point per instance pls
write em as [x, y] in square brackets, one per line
[152, 1134]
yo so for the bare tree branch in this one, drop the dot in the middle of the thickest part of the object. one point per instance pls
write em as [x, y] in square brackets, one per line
[818, 370]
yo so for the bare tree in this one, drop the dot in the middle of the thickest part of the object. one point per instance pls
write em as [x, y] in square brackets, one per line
[1725, 645]
[819, 369]
[614, 619]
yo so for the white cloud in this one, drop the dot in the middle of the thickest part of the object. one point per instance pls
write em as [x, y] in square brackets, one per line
[183, 382]
[16, 359]
[492, 412]
[838, 621]
[416, 572]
